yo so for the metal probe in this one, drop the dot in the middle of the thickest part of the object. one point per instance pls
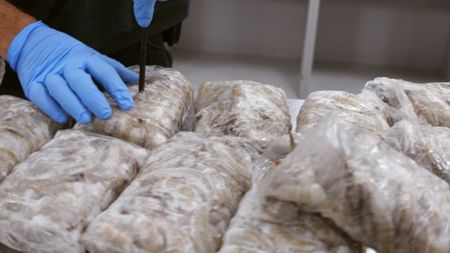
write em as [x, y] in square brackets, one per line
[143, 59]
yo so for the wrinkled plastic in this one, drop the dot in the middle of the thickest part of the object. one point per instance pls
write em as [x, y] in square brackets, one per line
[279, 148]
[364, 110]
[428, 146]
[431, 101]
[385, 89]
[181, 201]
[49, 199]
[158, 113]
[294, 107]
[268, 225]
[391, 92]
[23, 130]
[374, 193]
[242, 108]
[189, 119]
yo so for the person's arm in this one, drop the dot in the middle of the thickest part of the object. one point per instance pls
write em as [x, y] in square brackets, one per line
[57, 72]
[12, 22]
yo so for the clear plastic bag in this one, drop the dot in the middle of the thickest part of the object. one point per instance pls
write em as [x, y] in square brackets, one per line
[268, 225]
[385, 89]
[158, 113]
[429, 105]
[363, 110]
[374, 193]
[46, 203]
[242, 108]
[23, 130]
[181, 201]
[427, 145]
[431, 101]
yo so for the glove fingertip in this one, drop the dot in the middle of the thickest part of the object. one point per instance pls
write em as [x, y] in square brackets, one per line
[130, 77]
[58, 116]
[105, 114]
[85, 118]
[61, 118]
[127, 75]
[124, 100]
[126, 105]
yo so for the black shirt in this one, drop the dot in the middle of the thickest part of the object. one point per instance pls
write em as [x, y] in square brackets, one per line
[99, 23]
[93, 22]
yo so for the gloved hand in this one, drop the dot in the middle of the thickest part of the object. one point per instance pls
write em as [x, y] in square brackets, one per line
[56, 71]
[143, 12]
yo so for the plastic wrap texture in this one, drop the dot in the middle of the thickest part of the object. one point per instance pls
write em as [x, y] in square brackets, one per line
[49, 199]
[374, 193]
[158, 113]
[268, 225]
[363, 110]
[242, 108]
[181, 201]
[427, 145]
[23, 130]
[431, 101]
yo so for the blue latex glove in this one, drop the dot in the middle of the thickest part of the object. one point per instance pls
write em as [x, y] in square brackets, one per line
[143, 12]
[56, 71]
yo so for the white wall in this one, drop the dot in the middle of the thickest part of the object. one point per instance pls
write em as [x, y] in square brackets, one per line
[258, 27]
[378, 33]
[402, 33]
